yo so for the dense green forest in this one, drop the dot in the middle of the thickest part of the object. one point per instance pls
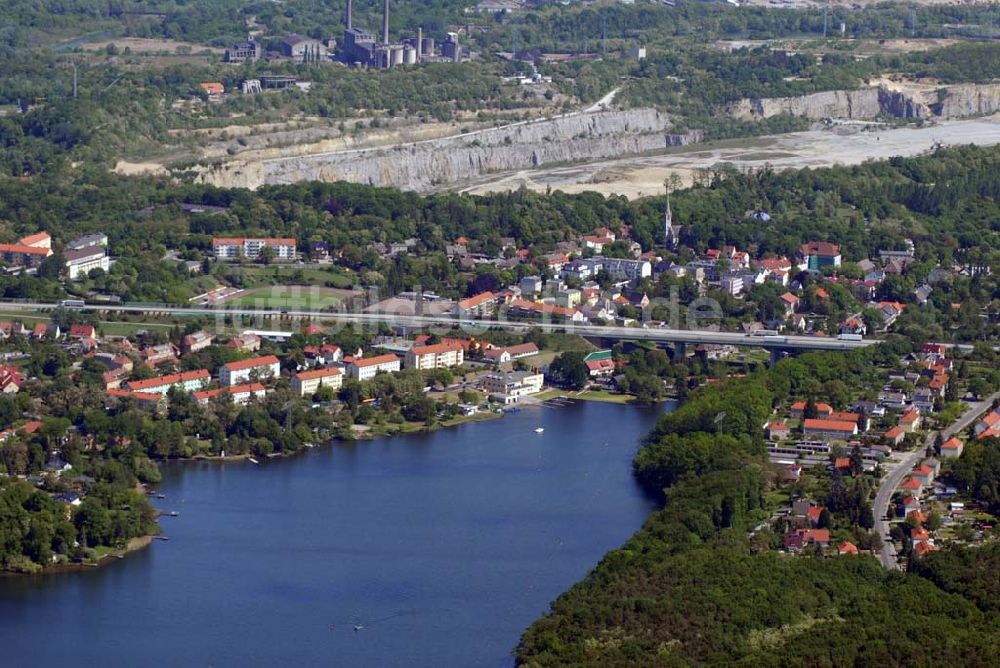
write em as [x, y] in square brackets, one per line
[689, 587]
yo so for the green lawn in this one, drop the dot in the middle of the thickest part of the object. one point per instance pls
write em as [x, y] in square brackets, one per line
[295, 297]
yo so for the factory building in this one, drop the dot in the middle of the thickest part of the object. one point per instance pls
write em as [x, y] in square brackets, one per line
[362, 49]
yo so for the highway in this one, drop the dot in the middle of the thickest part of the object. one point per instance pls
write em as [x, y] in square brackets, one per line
[891, 481]
[681, 336]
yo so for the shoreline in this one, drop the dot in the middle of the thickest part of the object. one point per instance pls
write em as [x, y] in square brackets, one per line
[131, 545]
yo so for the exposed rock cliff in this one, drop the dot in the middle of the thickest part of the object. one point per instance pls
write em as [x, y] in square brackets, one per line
[421, 165]
[878, 101]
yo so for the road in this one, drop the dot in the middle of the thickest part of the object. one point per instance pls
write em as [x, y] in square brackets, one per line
[681, 336]
[895, 476]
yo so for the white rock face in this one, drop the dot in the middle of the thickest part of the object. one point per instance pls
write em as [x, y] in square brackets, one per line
[425, 164]
[957, 101]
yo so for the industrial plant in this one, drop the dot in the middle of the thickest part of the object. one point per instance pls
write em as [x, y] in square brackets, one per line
[360, 48]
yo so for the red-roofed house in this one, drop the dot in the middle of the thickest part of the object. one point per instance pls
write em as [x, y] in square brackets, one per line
[952, 448]
[847, 548]
[600, 368]
[801, 538]
[910, 421]
[894, 436]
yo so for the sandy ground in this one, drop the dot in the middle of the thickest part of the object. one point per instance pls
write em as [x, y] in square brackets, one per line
[142, 45]
[644, 176]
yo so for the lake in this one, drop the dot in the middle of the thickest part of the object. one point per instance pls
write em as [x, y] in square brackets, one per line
[443, 546]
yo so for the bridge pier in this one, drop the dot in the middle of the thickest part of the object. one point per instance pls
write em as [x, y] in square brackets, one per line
[680, 351]
[777, 354]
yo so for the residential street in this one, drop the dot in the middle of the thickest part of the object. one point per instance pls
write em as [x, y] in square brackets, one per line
[896, 475]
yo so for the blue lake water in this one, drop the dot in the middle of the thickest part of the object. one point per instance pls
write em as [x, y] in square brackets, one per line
[443, 546]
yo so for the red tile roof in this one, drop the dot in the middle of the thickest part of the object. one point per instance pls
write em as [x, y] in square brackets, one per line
[476, 300]
[436, 349]
[318, 373]
[829, 425]
[372, 361]
[170, 379]
[252, 363]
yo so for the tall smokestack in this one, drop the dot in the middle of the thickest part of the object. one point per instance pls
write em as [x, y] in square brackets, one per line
[420, 42]
[347, 21]
[385, 21]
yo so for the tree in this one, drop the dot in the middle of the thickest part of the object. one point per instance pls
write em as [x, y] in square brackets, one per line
[570, 370]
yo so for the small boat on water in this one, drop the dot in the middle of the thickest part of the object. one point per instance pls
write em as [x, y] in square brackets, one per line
[174, 513]
[161, 496]
[539, 430]
[252, 460]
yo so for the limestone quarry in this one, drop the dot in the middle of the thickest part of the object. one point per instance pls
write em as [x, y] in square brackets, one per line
[441, 162]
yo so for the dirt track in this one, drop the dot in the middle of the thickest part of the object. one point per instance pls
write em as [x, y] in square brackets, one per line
[644, 176]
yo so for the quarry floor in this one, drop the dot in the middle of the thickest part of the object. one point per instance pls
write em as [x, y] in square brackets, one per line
[643, 176]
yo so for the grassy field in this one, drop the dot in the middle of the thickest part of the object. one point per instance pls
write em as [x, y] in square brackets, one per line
[277, 274]
[296, 297]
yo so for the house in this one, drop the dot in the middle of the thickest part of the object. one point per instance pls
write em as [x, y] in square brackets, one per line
[923, 473]
[312, 329]
[910, 421]
[525, 309]
[307, 383]
[477, 306]
[235, 248]
[366, 368]
[791, 303]
[435, 356]
[989, 422]
[894, 436]
[912, 486]
[530, 285]
[847, 548]
[910, 504]
[799, 407]
[499, 355]
[213, 89]
[153, 401]
[818, 254]
[82, 332]
[922, 549]
[778, 431]
[952, 448]
[829, 428]
[246, 342]
[508, 388]
[196, 341]
[188, 381]
[158, 354]
[802, 538]
[10, 380]
[600, 368]
[255, 368]
[238, 394]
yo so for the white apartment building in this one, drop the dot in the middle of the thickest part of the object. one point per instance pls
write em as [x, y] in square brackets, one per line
[508, 388]
[235, 248]
[256, 368]
[366, 368]
[307, 383]
[435, 356]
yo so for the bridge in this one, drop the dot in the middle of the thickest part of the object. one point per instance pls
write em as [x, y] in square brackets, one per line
[680, 338]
